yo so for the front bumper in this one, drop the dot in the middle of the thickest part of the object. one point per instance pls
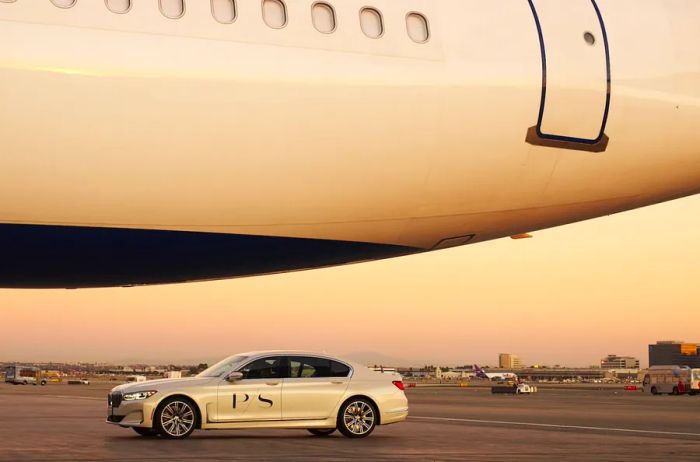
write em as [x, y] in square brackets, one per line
[132, 413]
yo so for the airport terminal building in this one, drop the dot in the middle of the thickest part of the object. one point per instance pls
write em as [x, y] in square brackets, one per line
[678, 353]
[619, 362]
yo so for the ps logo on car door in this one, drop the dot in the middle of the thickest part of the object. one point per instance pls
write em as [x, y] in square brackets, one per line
[246, 397]
[265, 400]
[261, 398]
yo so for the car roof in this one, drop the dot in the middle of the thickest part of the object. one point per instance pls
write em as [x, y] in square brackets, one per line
[287, 352]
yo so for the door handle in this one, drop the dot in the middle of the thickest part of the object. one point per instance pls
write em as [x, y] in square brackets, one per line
[338, 383]
[272, 383]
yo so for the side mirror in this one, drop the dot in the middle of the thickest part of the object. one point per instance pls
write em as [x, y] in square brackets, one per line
[234, 376]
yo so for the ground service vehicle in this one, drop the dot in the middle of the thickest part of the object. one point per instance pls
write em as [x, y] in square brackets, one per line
[674, 380]
[265, 389]
[24, 375]
[513, 388]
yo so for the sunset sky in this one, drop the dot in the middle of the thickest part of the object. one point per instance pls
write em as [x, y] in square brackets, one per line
[569, 296]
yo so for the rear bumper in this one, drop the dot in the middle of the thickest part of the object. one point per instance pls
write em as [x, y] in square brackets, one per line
[394, 416]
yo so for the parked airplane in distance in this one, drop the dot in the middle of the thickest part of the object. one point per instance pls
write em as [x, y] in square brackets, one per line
[493, 375]
[173, 141]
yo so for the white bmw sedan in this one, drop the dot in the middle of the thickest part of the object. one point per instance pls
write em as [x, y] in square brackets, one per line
[264, 389]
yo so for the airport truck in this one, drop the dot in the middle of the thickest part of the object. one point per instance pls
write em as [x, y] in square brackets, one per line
[24, 375]
[673, 380]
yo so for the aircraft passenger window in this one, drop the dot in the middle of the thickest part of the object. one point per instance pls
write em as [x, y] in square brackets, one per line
[417, 27]
[339, 369]
[172, 9]
[323, 16]
[63, 3]
[274, 13]
[118, 6]
[265, 368]
[371, 23]
[224, 11]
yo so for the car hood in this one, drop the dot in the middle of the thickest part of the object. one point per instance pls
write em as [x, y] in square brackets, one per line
[162, 384]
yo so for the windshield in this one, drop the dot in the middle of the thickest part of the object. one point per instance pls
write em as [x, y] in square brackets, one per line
[222, 367]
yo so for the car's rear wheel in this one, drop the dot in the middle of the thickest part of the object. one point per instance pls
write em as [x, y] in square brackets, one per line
[321, 431]
[654, 391]
[175, 418]
[149, 432]
[357, 418]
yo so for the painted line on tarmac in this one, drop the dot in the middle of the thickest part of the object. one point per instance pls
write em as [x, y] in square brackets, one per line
[92, 398]
[545, 425]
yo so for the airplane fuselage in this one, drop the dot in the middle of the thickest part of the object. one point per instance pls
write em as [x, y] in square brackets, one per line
[140, 149]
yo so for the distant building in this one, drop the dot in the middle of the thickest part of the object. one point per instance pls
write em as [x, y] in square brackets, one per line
[673, 352]
[509, 361]
[619, 362]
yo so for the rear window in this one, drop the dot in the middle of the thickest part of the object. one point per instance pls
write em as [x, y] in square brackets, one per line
[339, 369]
[309, 367]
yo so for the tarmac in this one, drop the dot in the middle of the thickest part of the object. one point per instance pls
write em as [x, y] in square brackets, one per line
[66, 423]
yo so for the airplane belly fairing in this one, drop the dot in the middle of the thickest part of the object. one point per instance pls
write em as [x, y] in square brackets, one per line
[71, 256]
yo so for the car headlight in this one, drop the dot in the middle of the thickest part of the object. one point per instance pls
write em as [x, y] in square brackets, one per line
[138, 395]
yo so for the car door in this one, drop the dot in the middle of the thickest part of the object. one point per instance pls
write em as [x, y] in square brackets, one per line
[313, 388]
[257, 396]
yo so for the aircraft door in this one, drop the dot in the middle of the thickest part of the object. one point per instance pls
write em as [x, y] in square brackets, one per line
[575, 75]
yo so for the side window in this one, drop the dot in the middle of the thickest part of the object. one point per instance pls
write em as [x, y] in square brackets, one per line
[264, 368]
[118, 6]
[417, 27]
[173, 9]
[339, 369]
[371, 23]
[309, 367]
[224, 11]
[294, 366]
[274, 13]
[63, 3]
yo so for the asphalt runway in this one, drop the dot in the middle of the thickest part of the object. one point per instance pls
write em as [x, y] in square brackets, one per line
[66, 423]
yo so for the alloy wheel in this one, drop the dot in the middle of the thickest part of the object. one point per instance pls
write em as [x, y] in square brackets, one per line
[358, 417]
[177, 418]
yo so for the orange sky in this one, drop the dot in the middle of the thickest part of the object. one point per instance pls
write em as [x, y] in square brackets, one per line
[568, 296]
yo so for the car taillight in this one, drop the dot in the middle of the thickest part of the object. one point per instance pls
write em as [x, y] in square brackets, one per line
[399, 384]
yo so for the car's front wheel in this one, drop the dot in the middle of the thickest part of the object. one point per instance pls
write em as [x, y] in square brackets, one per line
[321, 431]
[357, 418]
[149, 432]
[175, 418]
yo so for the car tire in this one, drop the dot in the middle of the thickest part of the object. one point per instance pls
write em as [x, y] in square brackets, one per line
[675, 391]
[175, 418]
[357, 418]
[147, 432]
[321, 431]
